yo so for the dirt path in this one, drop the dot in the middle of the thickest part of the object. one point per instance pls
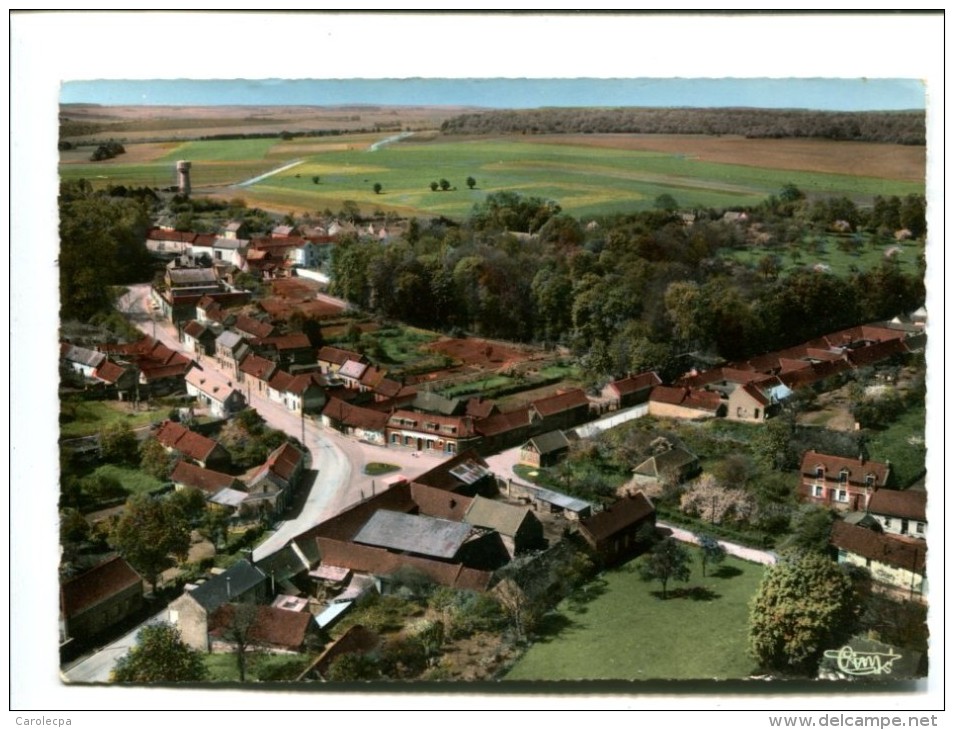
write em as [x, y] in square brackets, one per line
[254, 180]
[764, 557]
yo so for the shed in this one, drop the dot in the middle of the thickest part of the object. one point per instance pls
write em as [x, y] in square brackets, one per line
[545, 450]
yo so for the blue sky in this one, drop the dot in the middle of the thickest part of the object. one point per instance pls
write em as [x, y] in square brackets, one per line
[795, 93]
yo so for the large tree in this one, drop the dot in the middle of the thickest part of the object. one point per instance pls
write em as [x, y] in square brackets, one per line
[160, 655]
[804, 605]
[118, 444]
[102, 243]
[669, 560]
[149, 533]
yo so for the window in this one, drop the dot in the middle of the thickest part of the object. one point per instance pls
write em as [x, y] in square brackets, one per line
[870, 480]
[920, 528]
[842, 495]
[887, 522]
[819, 472]
[843, 476]
[818, 491]
[756, 413]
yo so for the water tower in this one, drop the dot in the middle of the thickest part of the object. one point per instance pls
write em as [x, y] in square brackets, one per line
[185, 186]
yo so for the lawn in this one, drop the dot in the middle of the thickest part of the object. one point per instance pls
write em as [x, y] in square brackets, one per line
[902, 443]
[585, 180]
[133, 480]
[86, 418]
[260, 668]
[627, 632]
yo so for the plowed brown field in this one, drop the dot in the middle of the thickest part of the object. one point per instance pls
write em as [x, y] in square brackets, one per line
[889, 161]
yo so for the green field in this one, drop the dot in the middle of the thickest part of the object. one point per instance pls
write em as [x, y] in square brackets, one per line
[87, 418]
[134, 481]
[902, 443]
[825, 251]
[626, 632]
[259, 668]
[584, 180]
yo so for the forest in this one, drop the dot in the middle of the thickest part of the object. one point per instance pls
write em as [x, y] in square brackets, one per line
[633, 292]
[902, 127]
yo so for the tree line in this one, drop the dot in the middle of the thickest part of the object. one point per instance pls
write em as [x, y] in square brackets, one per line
[636, 292]
[901, 127]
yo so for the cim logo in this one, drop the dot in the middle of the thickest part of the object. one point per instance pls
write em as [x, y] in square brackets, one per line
[863, 663]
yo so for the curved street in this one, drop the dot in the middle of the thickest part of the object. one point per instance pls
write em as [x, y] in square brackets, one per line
[337, 462]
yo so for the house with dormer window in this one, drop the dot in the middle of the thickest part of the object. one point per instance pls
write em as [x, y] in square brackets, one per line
[840, 482]
[431, 432]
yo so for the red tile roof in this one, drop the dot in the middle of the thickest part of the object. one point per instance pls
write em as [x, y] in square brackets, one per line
[252, 327]
[280, 381]
[635, 383]
[283, 461]
[271, 626]
[109, 372]
[501, 423]
[618, 516]
[833, 465]
[174, 435]
[561, 402]
[899, 552]
[337, 356]
[295, 341]
[258, 367]
[96, 585]
[686, 397]
[908, 504]
[354, 416]
[463, 426]
[206, 480]
[373, 376]
[194, 329]
[877, 352]
[161, 234]
[753, 391]
[153, 358]
[480, 408]
[301, 383]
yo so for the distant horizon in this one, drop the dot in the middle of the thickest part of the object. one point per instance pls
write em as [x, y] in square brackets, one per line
[816, 94]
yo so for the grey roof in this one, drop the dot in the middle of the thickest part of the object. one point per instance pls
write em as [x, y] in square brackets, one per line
[657, 465]
[192, 276]
[228, 339]
[229, 497]
[282, 564]
[500, 516]
[562, 500]
[84, 356]
[233, 583]
[434, 403]
[414, 534]
[549, 442]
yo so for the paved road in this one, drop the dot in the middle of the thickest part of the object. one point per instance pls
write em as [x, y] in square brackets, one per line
[338, 460]
[96, 667]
